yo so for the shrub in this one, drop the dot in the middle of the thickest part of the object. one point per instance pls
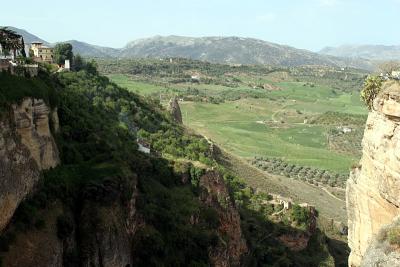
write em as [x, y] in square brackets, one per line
[372, 86]
[393, 236]
[300, 215]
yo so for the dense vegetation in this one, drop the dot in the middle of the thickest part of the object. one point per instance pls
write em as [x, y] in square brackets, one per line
[99, 126]
[13, 89]
[371, 88]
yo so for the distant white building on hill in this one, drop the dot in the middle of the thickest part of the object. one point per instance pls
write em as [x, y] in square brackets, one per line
[396, 74]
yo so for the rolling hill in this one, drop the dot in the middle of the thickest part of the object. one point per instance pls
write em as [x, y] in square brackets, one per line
[28, 37]
[89, 50]
[231, 50]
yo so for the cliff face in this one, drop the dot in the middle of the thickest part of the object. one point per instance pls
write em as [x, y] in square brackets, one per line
[26, 148]
[216, 195]
[31, 119]
[175, 110]
[100, 235]
[373, 189]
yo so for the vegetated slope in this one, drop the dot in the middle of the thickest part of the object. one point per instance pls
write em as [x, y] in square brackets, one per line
[89, 50]
[28, 37]
[372, 52]
[109, 205]
[254, 78]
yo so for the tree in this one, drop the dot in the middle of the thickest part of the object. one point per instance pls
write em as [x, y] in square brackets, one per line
[78, 63]
[62, 52]
[11, 41]
[372, 86]
[91, 67]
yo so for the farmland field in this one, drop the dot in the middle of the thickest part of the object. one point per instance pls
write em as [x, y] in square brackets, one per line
[301, 126]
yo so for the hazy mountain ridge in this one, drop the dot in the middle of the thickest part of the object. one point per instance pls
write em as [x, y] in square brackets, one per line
[231, 50]
[89, 50]
[372, 52]
[234, 50]
[28, 37]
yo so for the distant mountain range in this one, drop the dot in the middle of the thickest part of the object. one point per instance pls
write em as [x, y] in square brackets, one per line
[371, 52]
[28, 37]
[230, 50]
[233, 50]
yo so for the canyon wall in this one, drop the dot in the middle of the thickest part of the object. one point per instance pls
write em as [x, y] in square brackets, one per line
[216, 195]
[175, 110]
[373, 189]
[26, 147]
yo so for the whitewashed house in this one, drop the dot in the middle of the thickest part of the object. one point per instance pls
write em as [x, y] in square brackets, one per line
[143, 146]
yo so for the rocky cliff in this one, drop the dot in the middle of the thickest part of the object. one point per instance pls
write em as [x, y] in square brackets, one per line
[175, 110]
[100, 233]
[26, 147]
[373, 189]
[216, 195]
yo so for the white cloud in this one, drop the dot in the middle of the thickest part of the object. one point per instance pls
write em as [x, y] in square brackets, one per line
[266, 17]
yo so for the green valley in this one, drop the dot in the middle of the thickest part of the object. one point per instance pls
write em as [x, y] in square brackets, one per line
[301, 123]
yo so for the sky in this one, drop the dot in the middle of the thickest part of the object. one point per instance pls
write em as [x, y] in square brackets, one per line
[307, 24]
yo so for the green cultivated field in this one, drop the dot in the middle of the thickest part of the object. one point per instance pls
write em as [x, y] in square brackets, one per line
[264, 127]
[272, 123]
[134, 86]
[294, 115]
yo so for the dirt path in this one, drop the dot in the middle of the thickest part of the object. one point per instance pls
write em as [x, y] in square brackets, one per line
[330, 193]
[327, 204]
[278, 111]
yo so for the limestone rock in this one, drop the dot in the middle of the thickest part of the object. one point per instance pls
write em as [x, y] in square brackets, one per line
[175, 110]
[107, 230]
[32, 124]
[373, 189]
[216, 195]
[38, 247]
[26, 148]
[101, 233]
[381, 253]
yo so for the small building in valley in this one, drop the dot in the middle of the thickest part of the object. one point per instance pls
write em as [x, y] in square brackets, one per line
[143, 146]
[42, 53]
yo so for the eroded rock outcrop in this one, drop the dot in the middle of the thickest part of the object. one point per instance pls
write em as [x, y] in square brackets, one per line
[26, 148]
[38, 247]
[373, 189]
[99, 234]
[31, 120]
[216, 195]
[108, 223]
[382, 252]
[175, 110]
